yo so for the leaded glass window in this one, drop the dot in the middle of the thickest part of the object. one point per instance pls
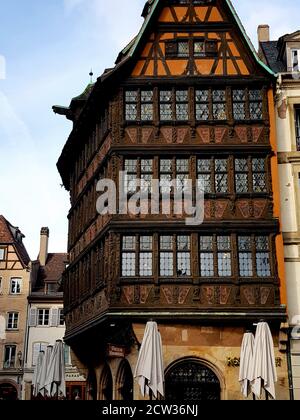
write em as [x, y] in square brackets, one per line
[245, 256]
[224, 256]
[221, 175]
[182, 105]
[166, 174]
[146, 175]
[147, 105]
[263, 266]
[202, 105]
[199, 49]
[166, 105]
[239, 104]
[219, 105]
[241, 176]
[204, 167]
[146, 256]
[129, 256]
[183, 256]
[131, 169]
[166, 256]
[182, 173]
[183, 49]
[259, 175]
[207, 256]
[131, 105]
[256, 104]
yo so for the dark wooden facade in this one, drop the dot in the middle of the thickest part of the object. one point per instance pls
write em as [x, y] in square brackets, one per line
[210, 105]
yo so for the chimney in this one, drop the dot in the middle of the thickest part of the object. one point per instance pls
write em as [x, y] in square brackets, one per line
[263, 32]
[44, 246]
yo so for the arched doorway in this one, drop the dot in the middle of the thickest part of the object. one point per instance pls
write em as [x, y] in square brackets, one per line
[8, 392]
[106, 385]
[124, 382]
[192, 380]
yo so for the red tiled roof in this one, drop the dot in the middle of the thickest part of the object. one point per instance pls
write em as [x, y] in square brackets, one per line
[7, 238]
[54, 268]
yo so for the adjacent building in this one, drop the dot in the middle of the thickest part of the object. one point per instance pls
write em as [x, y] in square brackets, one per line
[46, 322]
[14, 289]
[283, 57]
[188, 98]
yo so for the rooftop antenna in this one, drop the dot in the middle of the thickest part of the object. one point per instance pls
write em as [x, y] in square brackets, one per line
[91, 74]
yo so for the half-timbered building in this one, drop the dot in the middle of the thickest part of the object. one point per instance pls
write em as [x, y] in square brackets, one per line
[188, 98]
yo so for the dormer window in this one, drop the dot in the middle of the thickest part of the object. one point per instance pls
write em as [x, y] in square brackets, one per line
[296, 60]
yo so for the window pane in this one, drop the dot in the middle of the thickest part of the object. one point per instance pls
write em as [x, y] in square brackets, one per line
[166, 113]
[146, 96]
[166, 264]
[146, 243]
[245, 243]
[219, 112]
[259, 183]
[131, 112]
[219, 96]
[202, 112]
[183, 243]
[182, 112]
[182, 96]
[255, 95]
[204, 165]
[207, 264]
[129, 243]
[128, 264]
[182, 165]
[221, 183]
[224, 264]
[256, 111]
[263, 264]
[147, 166]
[183, 264]
[239, 95]
[242, 183]
[199, 48]
[131, 165]
[166, 96]
[204, 183]
[221, 165]
[202, 95]
[262, 243]
[1, 254]
[206, 243]
[131, 96]
[183, 49]
[224, 243]
[166, 243]
[166, 165]
[239, 111]
[147, 112]
[246, 265]
[146, 264]
[258, 165]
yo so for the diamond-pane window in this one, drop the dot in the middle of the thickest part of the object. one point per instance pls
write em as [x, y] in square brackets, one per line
[221, 175]
[259, 175]
[241, 175]
[183, 49]
[202, 105]
[256, 104]
[182, 105]
[199, 49]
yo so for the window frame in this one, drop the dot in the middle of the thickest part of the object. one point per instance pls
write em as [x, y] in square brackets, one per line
[14, 321]
[61, 317]
[2, 249]
[174, 252]
[293, 50]
[19, 286]
[44, 310]
[12, 359]
[137, 251]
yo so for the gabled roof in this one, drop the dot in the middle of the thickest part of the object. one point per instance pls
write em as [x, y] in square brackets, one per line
[271, 55]
[51, 272]
[152, 7]
[10, 235]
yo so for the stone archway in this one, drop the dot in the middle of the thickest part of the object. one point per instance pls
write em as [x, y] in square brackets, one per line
[124, 382]
[8, 391]
[106, 384]
[192, 379]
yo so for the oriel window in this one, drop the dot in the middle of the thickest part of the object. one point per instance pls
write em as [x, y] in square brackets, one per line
[207, 256]
[245, 249]
[221, 175]
[131, 105]
[259, 175]
[166, 256]
[239, 104]
[147, 105]
[263, 266]
[146, 175]
[129, 256]
[205, 167]
[224, 256]
[183, 256]
[241, 175]
[131, 168]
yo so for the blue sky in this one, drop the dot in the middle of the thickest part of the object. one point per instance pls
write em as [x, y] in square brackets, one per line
[49, 48]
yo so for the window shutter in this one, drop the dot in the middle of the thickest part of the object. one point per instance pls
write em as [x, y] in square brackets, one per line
[54, 318]
[32, 317]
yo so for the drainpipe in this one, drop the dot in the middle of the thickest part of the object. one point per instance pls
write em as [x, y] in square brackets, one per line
[289, 363]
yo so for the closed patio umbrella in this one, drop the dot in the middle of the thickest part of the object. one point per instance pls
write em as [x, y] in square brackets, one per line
[149, 370]
[37, 373]
[246, 364]
[263, 374]
[55, 382]
[44, 370]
